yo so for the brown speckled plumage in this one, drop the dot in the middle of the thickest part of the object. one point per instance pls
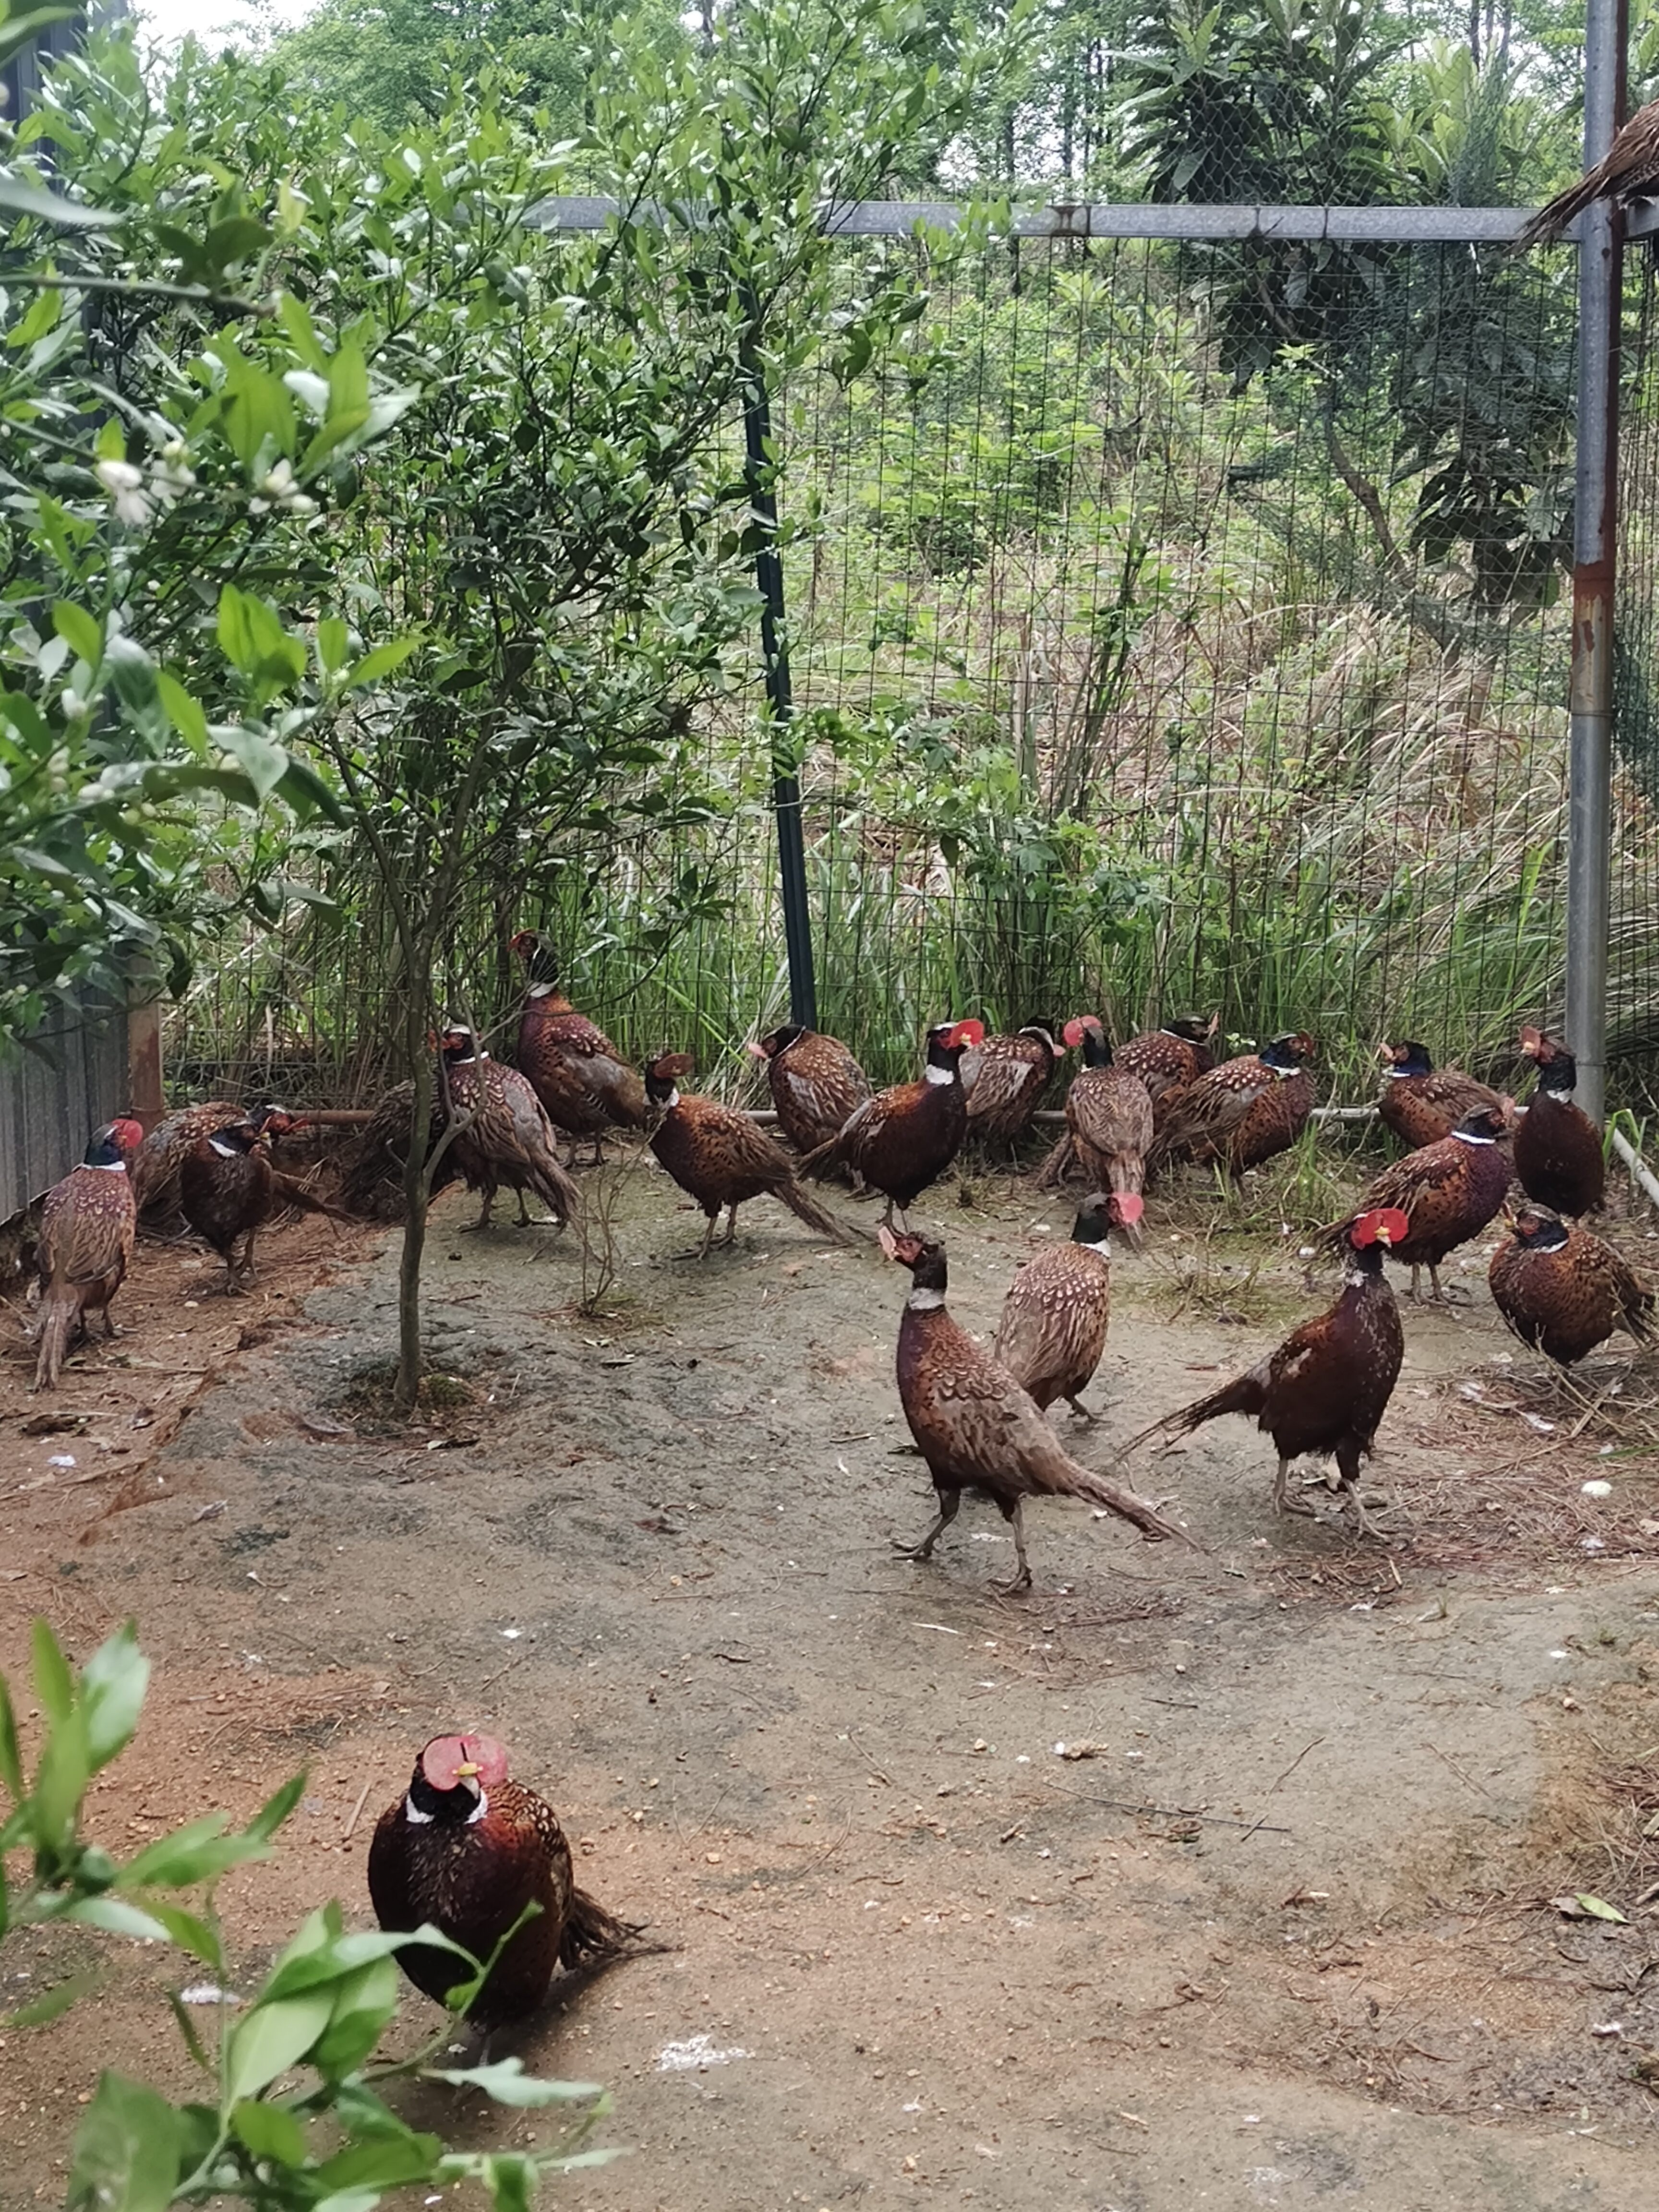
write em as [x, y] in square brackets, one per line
[906, 1136]
[720, 1157]
[1448, 1192]
[815, 1082]
[582, 1080]
[976, 1427]
[1558, 1148]
[1421, 1102]
[473, 1877]
[1628, 170]
[1170, 1060]
[1109, 1122]
[1244, 1112]
[1325, 1388]
[1005, 1079]
[1563, 1291]
[1057, 1311]
[87, 1227]
[169, 1144]
[508, 1141]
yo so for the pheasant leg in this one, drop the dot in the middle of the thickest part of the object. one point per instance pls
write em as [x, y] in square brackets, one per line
[1283, 1502]
[1021, 1579]
[483, 1221]
[1082, 1411]
[731, 1236]
[949, 1503]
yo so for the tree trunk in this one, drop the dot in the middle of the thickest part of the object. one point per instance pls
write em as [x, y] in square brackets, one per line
[417, 1193]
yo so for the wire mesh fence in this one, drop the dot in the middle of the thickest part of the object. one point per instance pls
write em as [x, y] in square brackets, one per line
[1633, 933]
[1174, 626]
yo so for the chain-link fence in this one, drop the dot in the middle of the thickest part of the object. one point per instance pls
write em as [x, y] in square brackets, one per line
[1173, 625]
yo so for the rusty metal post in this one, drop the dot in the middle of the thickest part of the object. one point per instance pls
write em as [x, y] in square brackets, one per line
[1589, 805]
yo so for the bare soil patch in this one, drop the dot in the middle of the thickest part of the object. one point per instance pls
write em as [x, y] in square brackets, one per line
[1282, 1934]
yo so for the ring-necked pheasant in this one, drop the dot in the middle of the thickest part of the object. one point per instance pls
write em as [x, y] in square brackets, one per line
[906, 1136]
[1558, 1148]
[1448, 1192]
[468, 1850]
[1421, 1102]
[1243, 1113]
[85, 1243]
[1326, 1387]
[719, 1157]
[583, 1082]
[1563, 1291]
[1059, 1307]
[1108, 1124]
[815, 1082]
[503, 1137]
[976, 1427]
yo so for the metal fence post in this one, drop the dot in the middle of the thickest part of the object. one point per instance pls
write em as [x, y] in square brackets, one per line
[774, 651]
[1589, 807]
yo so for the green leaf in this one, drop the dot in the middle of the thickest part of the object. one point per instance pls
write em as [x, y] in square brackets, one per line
[384, 2162]
[60, 1781]
[113, 1686]
[267, 2131]
[16, 30]
[295, 319]
[508, 2084]
[380, 662]
[53, 2004]
[79, 631]
[183, 711]
[363, 2004]
[172, 1861]
[52, 1682]
[309, 793]
[136, 687]
[126, 2150]
[237, 239]
[1599, 1909]
[116, 1917]
[314, 1959]
[276, 1809]
[188, 2028]
[18, 199]
[11, 1761]
[275, 2036]
[189, 1933]
[333, 643]
[264, 763]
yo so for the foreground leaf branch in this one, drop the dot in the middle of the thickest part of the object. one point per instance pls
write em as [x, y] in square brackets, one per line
[255, 2135]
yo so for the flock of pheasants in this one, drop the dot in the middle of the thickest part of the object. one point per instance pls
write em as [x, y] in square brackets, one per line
[469, 1850]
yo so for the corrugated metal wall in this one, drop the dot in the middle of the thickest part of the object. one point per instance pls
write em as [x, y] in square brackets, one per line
[50, 1104]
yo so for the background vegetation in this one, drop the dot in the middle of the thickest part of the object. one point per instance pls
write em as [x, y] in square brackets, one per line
[1170, 624]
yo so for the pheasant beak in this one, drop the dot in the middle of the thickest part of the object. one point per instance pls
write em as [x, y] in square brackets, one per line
[1383, 1238]
[468, 1770]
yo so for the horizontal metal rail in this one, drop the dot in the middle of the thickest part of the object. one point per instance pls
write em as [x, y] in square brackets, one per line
[1354, 226]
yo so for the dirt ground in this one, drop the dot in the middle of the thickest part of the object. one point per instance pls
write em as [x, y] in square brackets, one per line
[1218, 1876]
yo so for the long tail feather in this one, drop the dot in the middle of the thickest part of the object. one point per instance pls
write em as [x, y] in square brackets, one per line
[1243, 1394]
[1073, 1480]
[286, 1190]
[590, 1931]
[821, 1158]
[805, 1207]
[1055, 1165]
[62, 1311]
[1551, 221]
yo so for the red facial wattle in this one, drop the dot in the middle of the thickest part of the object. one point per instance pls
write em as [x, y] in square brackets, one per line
[967, 1032]
[1384, 1225]
[445, 1756]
